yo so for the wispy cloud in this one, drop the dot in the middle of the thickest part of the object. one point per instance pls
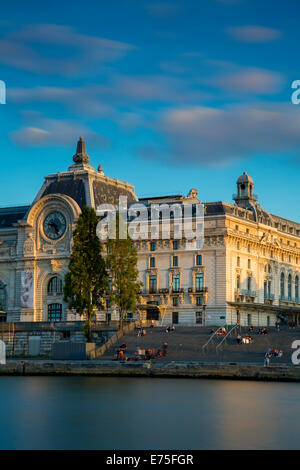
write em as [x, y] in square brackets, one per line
[82, 52]
[216, 137]
[44, 132]
[250, 80]
[254, 34]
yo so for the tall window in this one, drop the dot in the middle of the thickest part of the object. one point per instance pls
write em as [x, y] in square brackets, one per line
[297, 289]
[249, 283]
[175, 245]
[152, 262]
[175, 301]
[54, 312]
[238, 261]
[152, 246]
[290, 286]
[2, 297]
[199, 260]
[199, 282]
[153, 284]
[265, 288]
[175, 261]
[199, 318]
[176, 283]
[282, 289]
[55, 286]
[238, 281]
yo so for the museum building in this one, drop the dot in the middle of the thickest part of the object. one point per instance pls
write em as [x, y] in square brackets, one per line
[247, 269]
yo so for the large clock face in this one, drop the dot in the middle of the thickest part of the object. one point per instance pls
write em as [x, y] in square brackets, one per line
[55, 225]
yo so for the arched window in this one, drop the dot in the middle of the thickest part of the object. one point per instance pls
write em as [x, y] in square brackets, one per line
[55, 286]
[282, 288]
[54, 312]
[2, 296]
[290, 286]
[297, 288]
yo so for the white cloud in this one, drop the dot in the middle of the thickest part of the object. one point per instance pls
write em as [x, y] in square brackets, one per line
[250, 80]
[254, 34]
[216, 137]
[17, 49]
[45, 132]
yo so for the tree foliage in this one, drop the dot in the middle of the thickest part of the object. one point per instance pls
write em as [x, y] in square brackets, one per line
[122, 266]
[87, 280]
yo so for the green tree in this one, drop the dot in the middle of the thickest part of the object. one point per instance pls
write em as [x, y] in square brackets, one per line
[122, 265]
[86, 282]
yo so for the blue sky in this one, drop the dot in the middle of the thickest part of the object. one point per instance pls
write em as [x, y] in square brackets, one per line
[169, 95]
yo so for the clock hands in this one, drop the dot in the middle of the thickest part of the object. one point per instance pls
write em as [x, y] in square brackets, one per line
[55, 226]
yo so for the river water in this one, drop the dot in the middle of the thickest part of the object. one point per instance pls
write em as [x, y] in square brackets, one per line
[143, 413]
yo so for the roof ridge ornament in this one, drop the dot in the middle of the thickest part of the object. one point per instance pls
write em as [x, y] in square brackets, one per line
[81, 156]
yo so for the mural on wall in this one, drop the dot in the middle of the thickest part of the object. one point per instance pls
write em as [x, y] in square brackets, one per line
[27, 286]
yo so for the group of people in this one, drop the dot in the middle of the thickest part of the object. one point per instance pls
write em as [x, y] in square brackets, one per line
[246, 339]
[263, 331]
[270, 352]
[170, 328]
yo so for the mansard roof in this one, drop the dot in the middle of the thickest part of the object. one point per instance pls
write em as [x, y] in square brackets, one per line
[11, 215]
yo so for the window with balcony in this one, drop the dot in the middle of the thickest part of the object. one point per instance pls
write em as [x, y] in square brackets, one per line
[199, 282]
[175, 301]
[176, 283]
[249, 282]
[152, 284]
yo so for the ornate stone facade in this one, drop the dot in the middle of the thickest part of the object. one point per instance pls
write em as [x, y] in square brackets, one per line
[247, 270]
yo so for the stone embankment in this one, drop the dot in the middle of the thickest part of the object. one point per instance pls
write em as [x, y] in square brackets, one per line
[152, 369]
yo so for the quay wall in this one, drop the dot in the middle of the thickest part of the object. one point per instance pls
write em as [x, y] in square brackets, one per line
[148, 369]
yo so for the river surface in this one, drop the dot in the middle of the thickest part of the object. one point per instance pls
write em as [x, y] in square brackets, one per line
[142, 413]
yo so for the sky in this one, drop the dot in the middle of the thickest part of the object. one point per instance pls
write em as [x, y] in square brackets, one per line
[169, 95]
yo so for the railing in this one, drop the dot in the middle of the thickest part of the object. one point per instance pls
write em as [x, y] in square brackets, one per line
[249, 293]
[211, 338]
[228, 334]
[269, 296]
[284, 298]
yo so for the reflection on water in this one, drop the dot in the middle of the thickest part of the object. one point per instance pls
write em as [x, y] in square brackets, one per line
[138, 413]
